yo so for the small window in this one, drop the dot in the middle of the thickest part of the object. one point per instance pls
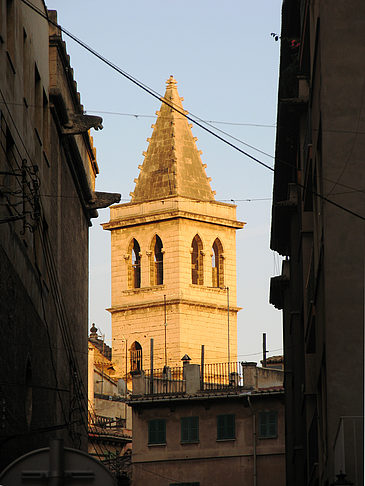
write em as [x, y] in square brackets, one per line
[157, 431]
[156, 266]
[268, 425]
[197, 261]
[190, 429]
[226, 428]
[136, 356]
[217, 264]
[134, 265]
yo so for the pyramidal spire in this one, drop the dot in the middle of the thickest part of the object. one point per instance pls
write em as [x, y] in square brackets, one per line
[172, 164]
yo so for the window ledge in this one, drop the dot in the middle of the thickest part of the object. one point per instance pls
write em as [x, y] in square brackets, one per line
[225, 440]
[152, 288]
[268, 437]
[209, 288]
[187, 442]
[157, 445]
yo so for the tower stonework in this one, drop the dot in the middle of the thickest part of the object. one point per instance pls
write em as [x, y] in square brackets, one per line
[173, 255]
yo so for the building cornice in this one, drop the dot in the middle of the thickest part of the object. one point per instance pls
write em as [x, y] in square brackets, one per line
[170, 215]
[148, 400]
[148, 305]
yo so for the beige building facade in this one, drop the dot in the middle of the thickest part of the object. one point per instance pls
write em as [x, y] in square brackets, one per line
[173, 255]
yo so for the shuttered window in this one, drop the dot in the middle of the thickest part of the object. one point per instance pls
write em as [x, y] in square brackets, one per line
[157, 431]
[226, 427]
[190, 429]
[268, 424]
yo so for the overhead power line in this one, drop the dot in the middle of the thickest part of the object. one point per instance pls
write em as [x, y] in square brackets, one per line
[138, 83]
[192, 118]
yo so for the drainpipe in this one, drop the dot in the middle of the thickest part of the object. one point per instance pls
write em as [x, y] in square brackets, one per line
[254, 442]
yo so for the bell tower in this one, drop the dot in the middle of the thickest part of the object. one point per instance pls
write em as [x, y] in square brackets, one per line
[173, 255]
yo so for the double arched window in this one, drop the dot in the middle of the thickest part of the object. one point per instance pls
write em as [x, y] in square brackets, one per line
[134, 266]
[156, 262]
[217, 264]
[197, 271]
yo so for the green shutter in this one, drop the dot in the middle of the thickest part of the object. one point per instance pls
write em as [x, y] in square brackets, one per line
[272, 424]
[157, 431]
[184, 430]
[230, 426]
[268, 424]
[262, 424]
[190, 429]
[226, 428]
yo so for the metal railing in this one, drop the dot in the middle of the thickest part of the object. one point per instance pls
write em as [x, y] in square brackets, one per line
[218, 376]
[165, 380]
[107, 422]
[215, 376]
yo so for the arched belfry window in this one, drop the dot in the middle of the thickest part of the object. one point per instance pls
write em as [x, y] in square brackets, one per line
[197, 275]
[217, 264]
[156, 263]
[136, 356]
[134, 265]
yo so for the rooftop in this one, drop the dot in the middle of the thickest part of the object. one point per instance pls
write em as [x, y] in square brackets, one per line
[217, 380]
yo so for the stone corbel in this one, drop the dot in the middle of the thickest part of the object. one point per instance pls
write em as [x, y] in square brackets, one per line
[126, 256]
[79, 123]
[103, 200]
[148, 253]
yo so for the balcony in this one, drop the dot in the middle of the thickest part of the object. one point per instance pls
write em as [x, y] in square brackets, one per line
[227, 378]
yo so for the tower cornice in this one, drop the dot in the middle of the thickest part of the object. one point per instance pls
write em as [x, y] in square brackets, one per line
[136, 214]
[169, 215]
[159, 303]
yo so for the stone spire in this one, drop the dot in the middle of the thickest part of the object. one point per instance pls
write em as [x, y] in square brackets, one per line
[172, 164]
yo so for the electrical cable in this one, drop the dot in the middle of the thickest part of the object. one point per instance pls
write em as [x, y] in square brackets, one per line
[141, 115]
[171, 105]
[140, 84]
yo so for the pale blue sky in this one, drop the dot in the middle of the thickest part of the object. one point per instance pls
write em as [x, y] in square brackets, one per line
[226, 66]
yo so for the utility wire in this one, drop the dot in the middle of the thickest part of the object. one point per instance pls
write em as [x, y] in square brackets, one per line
[171, 105]
[159, 97]
[141, 85]
[141, 115]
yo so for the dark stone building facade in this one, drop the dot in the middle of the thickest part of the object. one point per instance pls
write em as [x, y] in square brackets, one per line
[318, 226]
[47, 197]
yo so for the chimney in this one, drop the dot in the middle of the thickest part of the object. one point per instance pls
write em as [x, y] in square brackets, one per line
[249, 374]
[191, 373]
